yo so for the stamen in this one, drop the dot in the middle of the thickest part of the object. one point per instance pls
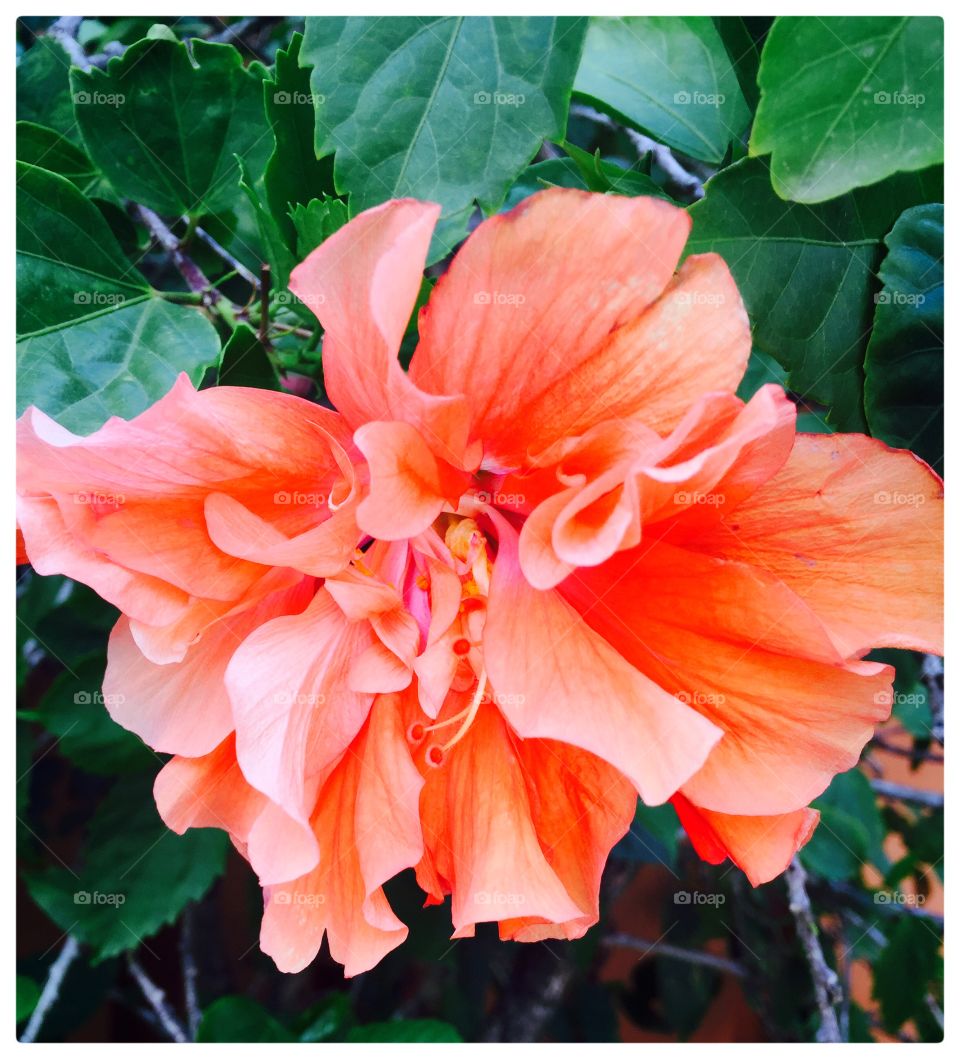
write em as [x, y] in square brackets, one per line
[472, 711]
[416, 732]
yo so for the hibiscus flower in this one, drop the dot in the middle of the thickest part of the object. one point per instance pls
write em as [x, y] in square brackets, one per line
[566, 566]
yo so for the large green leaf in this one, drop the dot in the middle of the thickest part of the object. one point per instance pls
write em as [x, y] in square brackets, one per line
[73, 710]
[669, 76]
[136, 877]
[807, 273]
[45, 147]
[93, 339]
[240, 1020]
[166, 130]
[405, 1031]
[907, 969]
[851, 831]
[848, 101]
[446, 109]
[903, 391]
[294, 175]
[43, 88]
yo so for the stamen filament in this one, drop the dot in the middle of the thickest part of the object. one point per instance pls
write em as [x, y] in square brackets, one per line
[471, 711]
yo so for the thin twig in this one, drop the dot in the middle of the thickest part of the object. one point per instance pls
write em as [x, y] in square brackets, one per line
[932, 674]
[51, 988]
[931, 799]
[264, 329]
[190, 974]
[222, 251]
[662, 155]
[826, 985]
[190, 271]
[236, 30]
[64, 31]
[905, 751]
[157, 1000]
[675, 952]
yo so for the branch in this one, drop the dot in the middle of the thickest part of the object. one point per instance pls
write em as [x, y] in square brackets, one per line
[238, 266]
[932, 674]
[904, 751]
[51, 988]
[930, 799]
[157, 1000]
[64, 32]
[190, 974]
[662, 155]
[826, 985]
[675, 952]
[190, 271]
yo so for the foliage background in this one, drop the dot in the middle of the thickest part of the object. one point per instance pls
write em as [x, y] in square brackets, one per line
[810, 154]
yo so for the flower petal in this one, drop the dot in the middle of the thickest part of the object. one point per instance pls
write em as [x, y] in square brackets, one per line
[856, 529]
[362, 284]
[548, 665]
[526, 321]
[761, 846]
[183, 708]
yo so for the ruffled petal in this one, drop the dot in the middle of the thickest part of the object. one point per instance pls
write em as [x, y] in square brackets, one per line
[547, 665]
[856, 530]
[293, 707]
[182, 707]
[527, 321]
[367, 830]
[362, 284]
[761, 846]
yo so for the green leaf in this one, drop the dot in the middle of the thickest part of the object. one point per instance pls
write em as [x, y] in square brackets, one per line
[405, 1031]
[274, 244]
[446, 109]
[43, 88]
[326, 1018]
[609, 178]
[28, 993]
[93, 339]
[653, 835]
[73, 709]
[49, 149]
[906, 970]
[903, 390]
[245, 362]
[806, 273]
[137, 875]
[315, 222]
[239, 1020]
[848, 101]
[851, 829]
[294, 175]
[668, 76]
[165, 130]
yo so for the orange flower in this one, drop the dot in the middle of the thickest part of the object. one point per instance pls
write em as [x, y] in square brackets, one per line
[586, 570]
